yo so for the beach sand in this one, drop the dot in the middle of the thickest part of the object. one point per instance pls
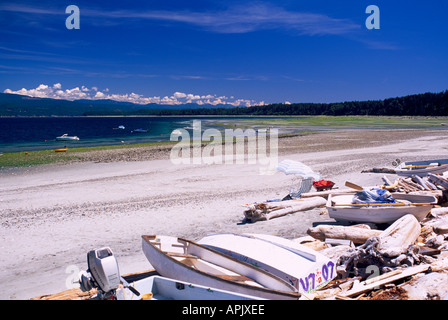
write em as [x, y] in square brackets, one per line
[52, 215]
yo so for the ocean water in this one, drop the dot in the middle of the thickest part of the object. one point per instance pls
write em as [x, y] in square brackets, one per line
[39, 133]
[21, 134]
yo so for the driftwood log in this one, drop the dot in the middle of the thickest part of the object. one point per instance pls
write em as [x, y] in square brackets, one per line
[439, 212]
[385, 278]
[392, 248]
[401, 234]
[70, 294]
[438, 180]
[427, 286]
[379, 170]
[409, 186]
[387, 182]
[437, 221]
[326, 193]
[419, 180]
[265, 211]
[355, 234]
[430, 184]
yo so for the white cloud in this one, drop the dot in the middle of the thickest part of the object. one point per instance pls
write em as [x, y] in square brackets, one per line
[99, 95]
[42, 87]
[178, 95]
[93, 93]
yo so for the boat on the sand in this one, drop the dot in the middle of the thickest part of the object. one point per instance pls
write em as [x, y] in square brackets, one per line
[162, 288]
[341, 208]
[422, 168]
[306, 269]
[188, 261]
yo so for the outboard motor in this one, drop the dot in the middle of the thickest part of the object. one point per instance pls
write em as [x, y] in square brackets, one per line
[103, 274]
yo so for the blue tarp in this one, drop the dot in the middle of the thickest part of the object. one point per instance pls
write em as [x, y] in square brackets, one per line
[373, 196]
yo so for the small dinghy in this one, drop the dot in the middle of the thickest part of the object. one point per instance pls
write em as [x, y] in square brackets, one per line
[103, 275]
[306, 269]
[161, 288]
[342, 208]
[422, 168]
[188, 261]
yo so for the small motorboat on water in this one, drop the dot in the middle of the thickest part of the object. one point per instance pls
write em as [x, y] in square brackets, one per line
[66, 137]
[140, 130]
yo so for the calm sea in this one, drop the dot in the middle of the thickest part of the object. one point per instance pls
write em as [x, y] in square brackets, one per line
[28, 134]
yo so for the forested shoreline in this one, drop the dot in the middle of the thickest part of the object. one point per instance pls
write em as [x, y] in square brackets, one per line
[427, 104]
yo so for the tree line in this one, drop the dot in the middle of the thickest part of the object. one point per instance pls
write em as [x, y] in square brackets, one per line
[426, 104]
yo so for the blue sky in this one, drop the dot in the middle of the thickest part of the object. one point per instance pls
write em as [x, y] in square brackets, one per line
[241, 52]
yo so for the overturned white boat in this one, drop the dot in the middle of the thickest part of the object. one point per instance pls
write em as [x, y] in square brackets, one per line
[306, 269]
[188, 261]
[341, 208]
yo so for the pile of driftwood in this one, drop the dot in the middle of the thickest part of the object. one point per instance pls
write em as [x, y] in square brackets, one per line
[406, 260]
[268, 210]
[432, 182]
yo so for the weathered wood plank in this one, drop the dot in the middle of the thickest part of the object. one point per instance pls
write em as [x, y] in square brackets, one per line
[355, 234]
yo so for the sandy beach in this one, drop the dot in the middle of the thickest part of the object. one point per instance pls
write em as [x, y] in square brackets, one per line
[52, 215]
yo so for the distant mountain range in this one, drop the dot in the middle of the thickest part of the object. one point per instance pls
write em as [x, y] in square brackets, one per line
[25, 106]
[425, 104]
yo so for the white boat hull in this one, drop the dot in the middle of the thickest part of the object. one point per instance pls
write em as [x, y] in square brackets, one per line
[191, 262]
[419, 169]
[163, 288]
[66, 137]
[305, 269]
[380, 214]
